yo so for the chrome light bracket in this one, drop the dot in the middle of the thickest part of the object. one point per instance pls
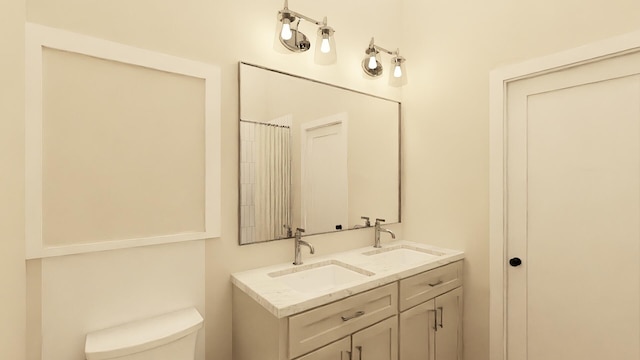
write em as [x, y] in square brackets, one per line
[298, 42]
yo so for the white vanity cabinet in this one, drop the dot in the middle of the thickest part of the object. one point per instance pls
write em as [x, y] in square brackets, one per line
[404, 303]
[431, 314]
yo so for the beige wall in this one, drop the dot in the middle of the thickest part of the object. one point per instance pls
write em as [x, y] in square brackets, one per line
[87, 292]
[224, 33]
[451, 48]
[12, 268]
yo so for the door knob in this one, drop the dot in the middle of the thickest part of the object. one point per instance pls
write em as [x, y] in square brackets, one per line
[515, 262]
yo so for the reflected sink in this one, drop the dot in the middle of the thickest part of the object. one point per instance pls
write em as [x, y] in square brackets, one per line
[403, 254]
[320, 276]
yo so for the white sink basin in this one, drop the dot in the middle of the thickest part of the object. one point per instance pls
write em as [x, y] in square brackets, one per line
[403, 255]
[320, 276]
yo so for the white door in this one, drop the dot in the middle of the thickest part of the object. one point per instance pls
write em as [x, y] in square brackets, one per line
[573, 213]
[325, 199]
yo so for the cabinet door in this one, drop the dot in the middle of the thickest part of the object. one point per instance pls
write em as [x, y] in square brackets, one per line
[417, 332]
[449, 325]
[377, 342]
[339, 350]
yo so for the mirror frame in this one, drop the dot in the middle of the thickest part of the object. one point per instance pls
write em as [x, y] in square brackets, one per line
[399, 172]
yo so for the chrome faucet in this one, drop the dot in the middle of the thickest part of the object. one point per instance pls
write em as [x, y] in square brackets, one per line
[297, 243]
[367, 223]
[380, 229]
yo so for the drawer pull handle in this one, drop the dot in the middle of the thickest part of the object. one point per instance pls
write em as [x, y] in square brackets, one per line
[436, 284]
[357, 314]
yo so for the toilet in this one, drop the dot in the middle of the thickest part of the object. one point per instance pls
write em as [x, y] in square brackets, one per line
[170, 336]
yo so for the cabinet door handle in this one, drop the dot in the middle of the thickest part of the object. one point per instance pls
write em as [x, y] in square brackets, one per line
[435, 319]
[357, 314]
[441, 316]
[359, 352]
[436, 284]
[348, 354]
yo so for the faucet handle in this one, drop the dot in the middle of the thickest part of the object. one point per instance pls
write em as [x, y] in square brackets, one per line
[380, 220]
[366, 220]
[300, 230]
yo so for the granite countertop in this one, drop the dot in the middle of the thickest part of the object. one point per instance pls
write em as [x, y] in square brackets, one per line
[377, 266]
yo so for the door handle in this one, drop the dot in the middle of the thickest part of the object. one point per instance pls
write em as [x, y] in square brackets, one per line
[359, 348]
[348, 354]
[515, 262]
[441, 316]
[357, 314]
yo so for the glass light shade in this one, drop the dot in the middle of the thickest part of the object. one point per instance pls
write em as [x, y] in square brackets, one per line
[398, 76]
[287, 38]
[278, 30]
[287, 26]
[325, 49]
[286, 33]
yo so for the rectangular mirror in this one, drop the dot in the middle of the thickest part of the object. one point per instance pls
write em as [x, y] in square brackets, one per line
[314, 156]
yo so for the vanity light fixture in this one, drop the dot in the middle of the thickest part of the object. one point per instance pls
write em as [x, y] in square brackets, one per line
[294, 40]
[372, 66]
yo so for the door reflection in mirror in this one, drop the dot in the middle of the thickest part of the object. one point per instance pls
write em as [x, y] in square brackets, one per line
[325, 184]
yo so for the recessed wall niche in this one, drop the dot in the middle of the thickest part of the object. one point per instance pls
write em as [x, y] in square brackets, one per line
[122, 146]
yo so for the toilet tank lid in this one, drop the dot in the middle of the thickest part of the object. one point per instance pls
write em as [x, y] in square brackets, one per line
[141, 335]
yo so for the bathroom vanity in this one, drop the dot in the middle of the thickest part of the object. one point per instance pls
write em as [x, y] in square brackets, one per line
[403, 301]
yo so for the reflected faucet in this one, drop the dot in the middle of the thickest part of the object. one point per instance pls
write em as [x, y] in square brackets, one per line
[297, 243]
[380, 229]
[367, 223]
[288, 228]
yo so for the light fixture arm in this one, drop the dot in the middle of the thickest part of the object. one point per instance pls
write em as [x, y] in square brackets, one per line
[301, 16]
[380, 48]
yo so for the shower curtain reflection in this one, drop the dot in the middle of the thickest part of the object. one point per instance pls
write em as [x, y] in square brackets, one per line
[265, 176]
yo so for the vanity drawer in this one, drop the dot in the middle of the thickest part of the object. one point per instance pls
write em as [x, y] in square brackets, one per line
[320, 326]
[429, 284]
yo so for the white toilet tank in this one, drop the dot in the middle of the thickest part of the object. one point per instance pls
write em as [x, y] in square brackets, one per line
[167, 337]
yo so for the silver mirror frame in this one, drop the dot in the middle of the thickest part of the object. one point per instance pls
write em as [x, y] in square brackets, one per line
[399, 170]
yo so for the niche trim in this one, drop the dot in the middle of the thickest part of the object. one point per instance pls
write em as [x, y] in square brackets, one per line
[38, 38]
